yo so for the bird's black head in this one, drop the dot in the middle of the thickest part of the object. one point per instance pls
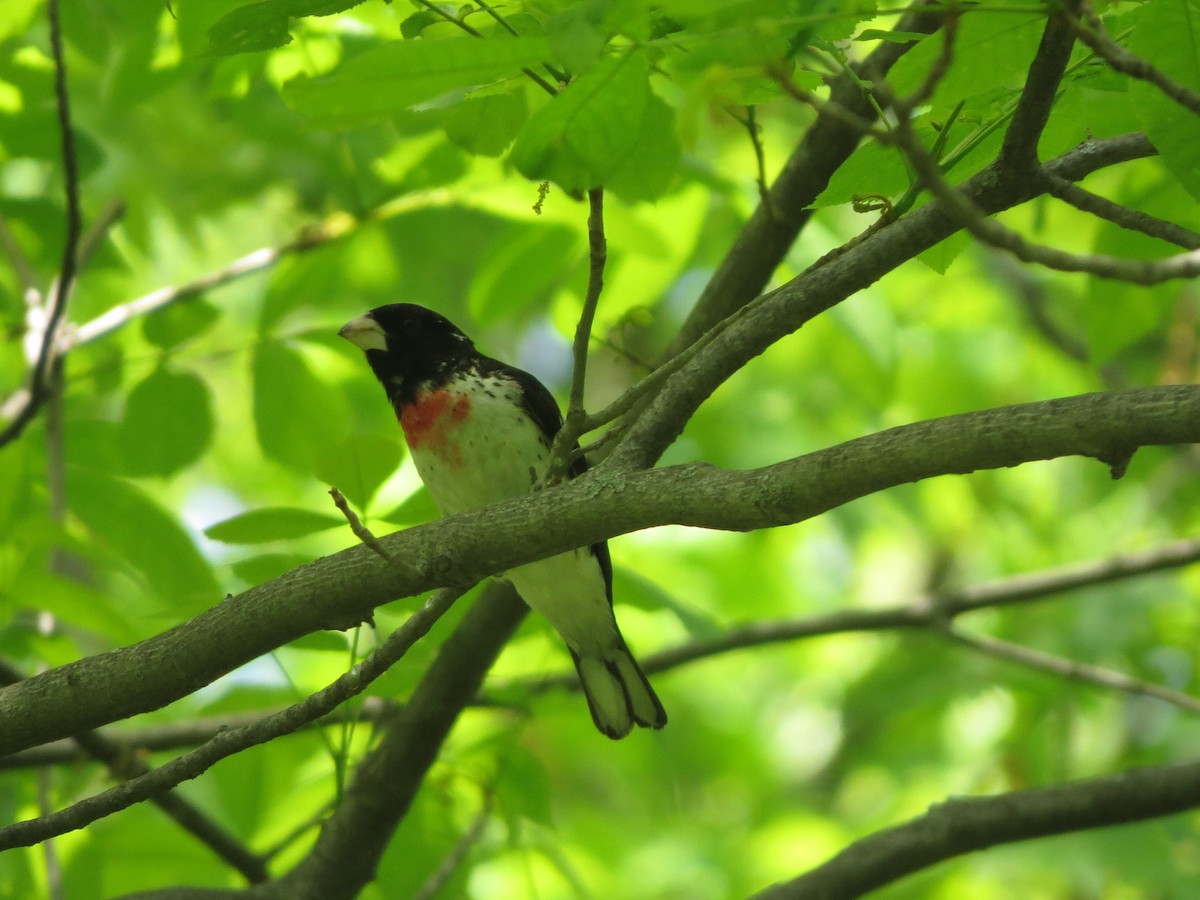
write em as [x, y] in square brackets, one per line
[408, 346]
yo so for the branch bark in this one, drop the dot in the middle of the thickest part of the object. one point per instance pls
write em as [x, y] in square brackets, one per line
[962, 825]
[830, 281]
[345, 587]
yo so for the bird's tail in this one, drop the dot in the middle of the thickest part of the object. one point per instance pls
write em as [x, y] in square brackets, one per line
[618, 694]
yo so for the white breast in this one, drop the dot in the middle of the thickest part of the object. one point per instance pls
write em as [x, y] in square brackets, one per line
[473, 445]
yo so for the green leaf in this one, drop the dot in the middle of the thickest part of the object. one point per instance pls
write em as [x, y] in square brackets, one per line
[359, 465]
[122, 517]
[264, 25]
[401, 74]
[296, 415]
[418, 508]
[650, 164]
[523, 788]
[411, 27]
[487, 124]
[1168, 34]
[168, 423]
[322, 641]
[586, 132]
[514, 280]
[179, 322]
[259, 526]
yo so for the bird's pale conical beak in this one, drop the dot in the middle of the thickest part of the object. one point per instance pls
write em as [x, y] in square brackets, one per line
[365, 333]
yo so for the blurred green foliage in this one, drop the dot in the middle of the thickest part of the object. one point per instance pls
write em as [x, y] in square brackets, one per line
[201, 442]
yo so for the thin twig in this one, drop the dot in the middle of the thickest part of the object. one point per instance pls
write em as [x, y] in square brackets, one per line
[573, 423]
[1121, 60]
[1068, 668]
[992, 233]
[364, 534]
[185, 734]
[333, 228]
[39, 373]
[98, 230]
[935, 612]
[1124, 216]
[557, 74]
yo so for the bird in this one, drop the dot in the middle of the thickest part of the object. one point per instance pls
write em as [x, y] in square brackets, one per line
[479, 432]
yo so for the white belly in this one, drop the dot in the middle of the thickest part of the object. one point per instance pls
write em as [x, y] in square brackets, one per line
[474, 450]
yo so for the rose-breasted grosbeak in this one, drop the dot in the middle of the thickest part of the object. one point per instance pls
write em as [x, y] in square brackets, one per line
[479, 432]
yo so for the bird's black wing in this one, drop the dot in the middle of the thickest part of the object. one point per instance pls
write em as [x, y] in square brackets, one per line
[539, 404]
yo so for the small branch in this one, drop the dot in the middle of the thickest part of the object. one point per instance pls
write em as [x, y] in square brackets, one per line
[573, 423]
[991, 232]
[227, 743]
[98, 230]
[1068, 668]
[1121, 60]
[921, 612]
[184, 734]
[1124, 216]
[38, 389]
[597, 257]
[364, 534]
[333, 228]
[965, 824]
[753, 130]
[557, 74]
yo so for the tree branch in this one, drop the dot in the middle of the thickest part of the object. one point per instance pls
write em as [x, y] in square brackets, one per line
[766, 238]
[932, 611]
[1124, 216]
[39, 386]
[333, 228]
[1018, 152]
[1121, 60]
[597, 506]
[184, 734]
[831, 280]
[965, 824]
[229, 742]
[386, 781]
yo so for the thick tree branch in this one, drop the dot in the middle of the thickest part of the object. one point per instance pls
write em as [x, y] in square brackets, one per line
[766, 238]
[1018, 153]
[831, 280]
[347, 586]
[965, 824]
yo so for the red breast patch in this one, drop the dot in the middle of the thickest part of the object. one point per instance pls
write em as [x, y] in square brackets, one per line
[428, 420]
